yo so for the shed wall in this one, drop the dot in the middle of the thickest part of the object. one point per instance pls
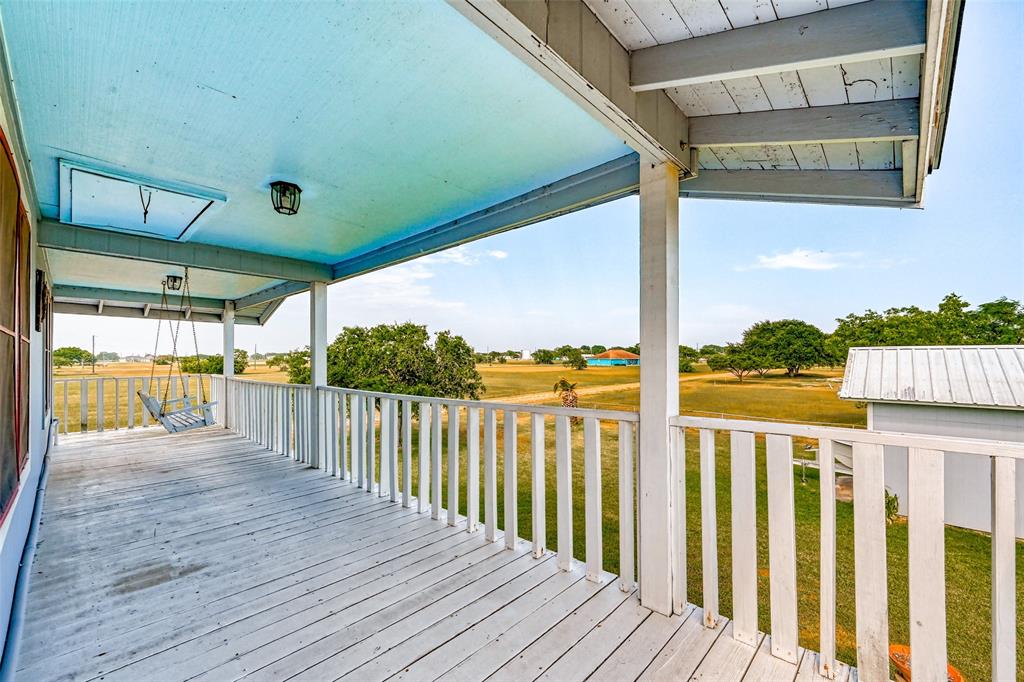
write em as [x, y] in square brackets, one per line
[968, 483]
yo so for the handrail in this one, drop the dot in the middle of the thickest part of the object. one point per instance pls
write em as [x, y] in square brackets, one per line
[974, 446]
[616, 415]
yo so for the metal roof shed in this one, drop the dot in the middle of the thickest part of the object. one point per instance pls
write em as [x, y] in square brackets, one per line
[959, 391]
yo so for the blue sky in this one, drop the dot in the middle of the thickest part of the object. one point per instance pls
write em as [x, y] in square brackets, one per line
[575, 279]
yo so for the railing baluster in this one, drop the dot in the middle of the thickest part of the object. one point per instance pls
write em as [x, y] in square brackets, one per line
[626, 516]
[490, 475]
[371, 443]
[472, 468]
[677, 445]
[592, 495]
[358, 432]
[393, 451]
[345, 472]
[927, 562]
[146, 385]
[332, 400]
[453, 464]
[83, 400]
[406, 453]
[827, 488]
[100, 417]
[742, 468]
[537, 487]
[117, 403]
[709, 527]
[424, 457]
[782, 548]
[563, 490]
[435, 462]
[870, 562]
[65, 406]
[1004, 606]
[511, 499]
[385, 445]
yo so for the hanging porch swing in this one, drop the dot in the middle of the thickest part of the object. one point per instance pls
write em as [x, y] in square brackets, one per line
[184, 413]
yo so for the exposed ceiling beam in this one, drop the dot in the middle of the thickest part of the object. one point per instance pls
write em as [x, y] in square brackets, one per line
[860, 32]
[99, 307]
[873, 188]
[606, 182]
[270, 294]
[124, 296]
[270, 310]
[66, 308]
[566, 44]
[55, 235]
[145, 310]
[873, 121]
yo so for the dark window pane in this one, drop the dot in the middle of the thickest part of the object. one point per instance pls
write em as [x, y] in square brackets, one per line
[8, 451]
[8, 239]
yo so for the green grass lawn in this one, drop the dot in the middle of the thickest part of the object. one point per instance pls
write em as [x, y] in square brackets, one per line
[518, 378]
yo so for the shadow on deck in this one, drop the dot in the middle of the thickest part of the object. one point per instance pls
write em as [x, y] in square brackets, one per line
[204, 556]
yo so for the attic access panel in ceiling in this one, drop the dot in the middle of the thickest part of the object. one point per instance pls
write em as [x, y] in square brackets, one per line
[97, 198]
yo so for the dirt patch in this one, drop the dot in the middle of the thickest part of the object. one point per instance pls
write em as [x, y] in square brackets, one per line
[150, 576]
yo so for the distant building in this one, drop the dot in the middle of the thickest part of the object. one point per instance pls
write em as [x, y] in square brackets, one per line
[614, 357]
[954, 391]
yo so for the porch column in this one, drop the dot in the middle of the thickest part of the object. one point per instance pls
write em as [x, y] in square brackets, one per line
[228, 324]
[317, 362]
[659, 380]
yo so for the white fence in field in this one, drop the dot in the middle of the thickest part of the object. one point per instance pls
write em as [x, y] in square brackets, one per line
[926, 530]
[357, 423]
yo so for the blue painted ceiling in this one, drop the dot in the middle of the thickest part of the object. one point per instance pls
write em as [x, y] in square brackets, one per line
[393, 117]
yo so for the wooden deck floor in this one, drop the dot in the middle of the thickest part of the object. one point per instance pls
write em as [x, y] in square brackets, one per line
[203, 556]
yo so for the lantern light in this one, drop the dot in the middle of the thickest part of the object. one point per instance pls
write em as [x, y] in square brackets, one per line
[285, 196]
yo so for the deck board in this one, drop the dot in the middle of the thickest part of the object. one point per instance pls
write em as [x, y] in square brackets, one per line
[202, 556]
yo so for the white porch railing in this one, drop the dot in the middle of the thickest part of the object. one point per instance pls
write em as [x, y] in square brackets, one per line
[926, 529]
[375, 439]
[92, 403]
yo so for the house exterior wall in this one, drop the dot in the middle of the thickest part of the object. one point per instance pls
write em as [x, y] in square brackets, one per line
[967, 477]
[15, 527]
[611, 362]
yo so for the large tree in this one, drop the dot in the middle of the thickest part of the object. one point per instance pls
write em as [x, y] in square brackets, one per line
[214, 364]
[395, 358]
[687, 356]
[544, 356]
[790, 344]
[71, 355]
[734, 359]
[573, 357]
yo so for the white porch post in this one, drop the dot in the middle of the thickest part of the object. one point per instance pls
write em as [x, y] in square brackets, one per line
[317, 362]
[228, 324]
[659, 379]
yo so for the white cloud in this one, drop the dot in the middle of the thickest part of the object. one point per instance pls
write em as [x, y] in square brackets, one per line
[805, 259]
[498, 254]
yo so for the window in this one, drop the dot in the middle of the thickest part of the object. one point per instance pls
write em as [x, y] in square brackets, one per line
[15, 331]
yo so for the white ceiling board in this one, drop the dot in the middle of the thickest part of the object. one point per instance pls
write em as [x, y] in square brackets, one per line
[869, 81]
[747, 94]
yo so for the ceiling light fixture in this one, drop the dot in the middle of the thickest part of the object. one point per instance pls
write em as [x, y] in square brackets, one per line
[285, 196]
[173, 282]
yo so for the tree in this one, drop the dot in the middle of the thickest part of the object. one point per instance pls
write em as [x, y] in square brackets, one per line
[566, 391]
[574, 358]
[597, 349]
[107, 356]
[514, 354]
[710, 349]
[792, 344]
[543, 356]
[213, 364]
[735, 359]
[687, 356]
[397, 358]
[72, 355]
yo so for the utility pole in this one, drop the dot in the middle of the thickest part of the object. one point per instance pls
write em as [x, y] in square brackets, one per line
[93, 353]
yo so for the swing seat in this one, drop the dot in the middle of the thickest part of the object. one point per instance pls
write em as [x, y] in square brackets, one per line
[190, 416]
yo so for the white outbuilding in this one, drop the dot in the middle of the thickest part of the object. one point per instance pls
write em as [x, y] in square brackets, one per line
[955, 391]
